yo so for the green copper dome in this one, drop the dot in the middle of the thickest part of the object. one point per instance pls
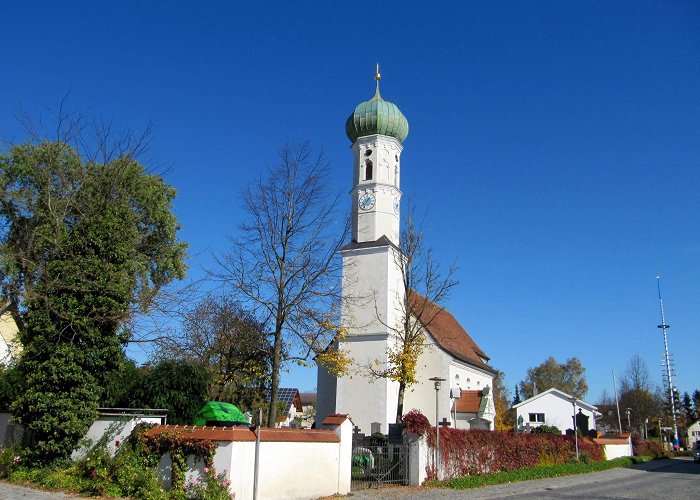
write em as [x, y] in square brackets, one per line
[376, 116]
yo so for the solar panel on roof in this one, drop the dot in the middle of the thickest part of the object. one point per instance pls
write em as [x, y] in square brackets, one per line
[286, 394]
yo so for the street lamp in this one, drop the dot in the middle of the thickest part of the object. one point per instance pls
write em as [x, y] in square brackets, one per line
[573, 403]
[629, 426]
[437, 381]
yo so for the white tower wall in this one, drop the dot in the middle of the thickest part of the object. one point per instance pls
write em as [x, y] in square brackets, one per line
[376, 173]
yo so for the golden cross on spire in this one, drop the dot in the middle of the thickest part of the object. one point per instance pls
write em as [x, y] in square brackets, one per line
[377, 77]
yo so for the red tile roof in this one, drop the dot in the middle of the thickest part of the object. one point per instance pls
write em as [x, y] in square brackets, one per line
[469, 402]
[448, 333]
[245, 434]
[212, 433]
[335, 419]
[307, 398]
[611, 441]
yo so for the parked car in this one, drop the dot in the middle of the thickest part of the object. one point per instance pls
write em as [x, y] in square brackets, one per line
[696, 452]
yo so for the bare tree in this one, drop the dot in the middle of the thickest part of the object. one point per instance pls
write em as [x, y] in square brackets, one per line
[424, 289]
[285, 264]
[636, 394]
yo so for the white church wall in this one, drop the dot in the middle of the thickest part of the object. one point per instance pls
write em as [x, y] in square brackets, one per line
[421, 396]
[365, 291]
[468, 378]
[326, 393]
[372, 290]
[364, 399]
[383, 154]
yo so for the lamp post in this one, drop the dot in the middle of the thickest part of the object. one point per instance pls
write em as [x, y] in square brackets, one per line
[629, 426]
[437, 381]
[573, 403]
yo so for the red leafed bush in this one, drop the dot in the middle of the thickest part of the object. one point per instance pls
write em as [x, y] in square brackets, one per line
[479, 452]
[415, 422]
[647, 447]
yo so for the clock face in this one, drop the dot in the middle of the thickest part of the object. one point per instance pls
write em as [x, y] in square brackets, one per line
[367, 201]
[396, 206]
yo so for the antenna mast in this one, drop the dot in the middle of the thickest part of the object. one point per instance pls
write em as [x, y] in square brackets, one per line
[667, 362]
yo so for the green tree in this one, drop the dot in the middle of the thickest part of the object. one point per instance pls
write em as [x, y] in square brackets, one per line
[516, 398]
[10, 381]
[285, 264]
[81, 243]
[505, 418]
[119, 384]
[687, 409]
[569, 377]
[229, 340]
[176, 385]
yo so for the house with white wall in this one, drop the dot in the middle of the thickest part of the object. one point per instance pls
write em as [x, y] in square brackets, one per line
[555, 408]
[693, 434]
[290, 398]
[9, 344]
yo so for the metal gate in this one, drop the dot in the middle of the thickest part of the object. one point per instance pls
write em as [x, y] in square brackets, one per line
[377, 462]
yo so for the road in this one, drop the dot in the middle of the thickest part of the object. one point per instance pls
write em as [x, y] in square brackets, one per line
[676, 478]
[13, 492]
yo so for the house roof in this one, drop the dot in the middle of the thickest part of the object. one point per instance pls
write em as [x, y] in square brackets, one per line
[289, 396]
[336, 419]
[580, 403]
[383, 241]
[469, 402]
[448, 333]
[307, 398]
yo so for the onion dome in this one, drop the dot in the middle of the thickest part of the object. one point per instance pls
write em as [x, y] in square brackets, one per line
[376, 116]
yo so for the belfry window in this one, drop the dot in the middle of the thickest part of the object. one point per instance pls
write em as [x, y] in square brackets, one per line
[368, 170]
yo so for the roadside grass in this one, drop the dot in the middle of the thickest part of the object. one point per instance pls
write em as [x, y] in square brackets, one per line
[526, 474]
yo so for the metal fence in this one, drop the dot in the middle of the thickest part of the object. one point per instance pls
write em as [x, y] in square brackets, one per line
[375, 463]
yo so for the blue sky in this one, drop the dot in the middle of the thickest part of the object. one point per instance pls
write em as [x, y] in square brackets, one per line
[554, 147]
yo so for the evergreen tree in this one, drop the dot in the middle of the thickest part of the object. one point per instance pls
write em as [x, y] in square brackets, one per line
[81, 242]
[516, 398]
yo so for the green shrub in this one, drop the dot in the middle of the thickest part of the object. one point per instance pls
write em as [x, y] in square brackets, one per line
[547, 429]
[131, 472]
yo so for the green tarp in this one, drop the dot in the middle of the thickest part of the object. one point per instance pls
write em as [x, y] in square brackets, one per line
[216, 413]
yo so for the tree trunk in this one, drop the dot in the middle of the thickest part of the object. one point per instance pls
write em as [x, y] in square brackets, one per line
[399, 406]
[274, 390]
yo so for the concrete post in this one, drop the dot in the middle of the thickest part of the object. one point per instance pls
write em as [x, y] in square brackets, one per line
[418, 452]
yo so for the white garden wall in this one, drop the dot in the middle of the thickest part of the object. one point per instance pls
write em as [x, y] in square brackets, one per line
[293, 463]
[616, 447]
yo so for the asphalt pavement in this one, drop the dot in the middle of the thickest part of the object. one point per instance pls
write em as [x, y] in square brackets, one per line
[661, 479]
[14, 492]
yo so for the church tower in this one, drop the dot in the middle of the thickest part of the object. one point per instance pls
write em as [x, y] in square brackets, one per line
[372, 284]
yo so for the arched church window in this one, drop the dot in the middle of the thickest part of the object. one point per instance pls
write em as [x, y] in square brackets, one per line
[478, 384]
[368, 152]
[469, 383]
[457, 380]
[368, 170]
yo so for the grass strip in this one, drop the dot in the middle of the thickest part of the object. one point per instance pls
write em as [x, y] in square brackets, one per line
[540, 472]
